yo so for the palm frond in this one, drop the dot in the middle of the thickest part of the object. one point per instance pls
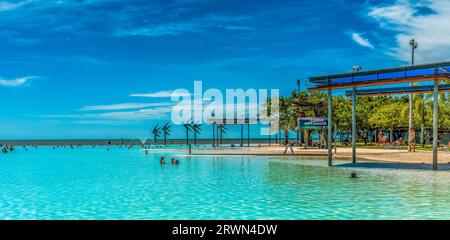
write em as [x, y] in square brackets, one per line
[166, 128]
[196, 127]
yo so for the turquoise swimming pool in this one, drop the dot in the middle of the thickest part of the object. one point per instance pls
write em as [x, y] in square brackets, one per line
[94, 183]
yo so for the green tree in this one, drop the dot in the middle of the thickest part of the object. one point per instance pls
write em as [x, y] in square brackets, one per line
[156, 133]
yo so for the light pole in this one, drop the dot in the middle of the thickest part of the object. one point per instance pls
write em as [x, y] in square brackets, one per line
[413, 45]
[354, 134]
[356, 68]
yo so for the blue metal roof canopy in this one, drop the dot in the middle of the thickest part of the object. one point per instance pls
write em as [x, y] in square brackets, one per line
[398, 90]
[425, 72]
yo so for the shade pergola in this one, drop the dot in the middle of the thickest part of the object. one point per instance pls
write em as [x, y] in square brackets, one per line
[232, 121]
[398, 90]
[418, 73]
[383, 77]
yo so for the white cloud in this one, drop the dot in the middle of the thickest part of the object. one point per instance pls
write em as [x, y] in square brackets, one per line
[15, 82]
[123, 106]
[6, 6]
[195, 25]
[426, 21]
[160, 94]
[143, 114]
[161, 30]
[361, 41]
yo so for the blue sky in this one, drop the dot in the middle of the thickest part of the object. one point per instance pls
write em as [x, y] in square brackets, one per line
[103, 69]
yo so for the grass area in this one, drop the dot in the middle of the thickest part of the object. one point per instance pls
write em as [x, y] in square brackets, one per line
[376, 146]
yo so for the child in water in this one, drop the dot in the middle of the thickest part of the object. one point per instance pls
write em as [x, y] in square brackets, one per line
[174, 162]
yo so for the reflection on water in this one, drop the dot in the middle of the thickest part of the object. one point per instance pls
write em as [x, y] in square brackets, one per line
[93, 183]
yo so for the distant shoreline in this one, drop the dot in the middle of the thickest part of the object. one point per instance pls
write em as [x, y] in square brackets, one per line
[90, 142]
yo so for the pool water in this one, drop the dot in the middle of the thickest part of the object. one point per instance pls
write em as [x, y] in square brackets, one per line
[121, 183]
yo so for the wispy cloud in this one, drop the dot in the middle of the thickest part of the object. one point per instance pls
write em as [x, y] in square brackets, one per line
[426, 21]
[142, 114]
[23, 81]
[361, 40]
[196, 25]
[237, 28]
[160, 94]
[160, 30]
[123, 106]
[240, 48]
[6, 6]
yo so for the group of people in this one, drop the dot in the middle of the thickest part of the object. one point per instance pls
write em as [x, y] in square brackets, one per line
[7, 148]
[173, 161]
[383, 141]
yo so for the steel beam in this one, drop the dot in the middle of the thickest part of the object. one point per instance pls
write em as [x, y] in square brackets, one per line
[354, 126]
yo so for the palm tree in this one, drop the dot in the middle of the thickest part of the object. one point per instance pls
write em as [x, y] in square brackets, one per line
[166, 131]
[188, 128]
[156, 133]
[213, 114]
[196, 129]
[297, 135]
[222, 128]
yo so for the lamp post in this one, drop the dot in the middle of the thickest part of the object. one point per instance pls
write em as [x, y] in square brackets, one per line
[356, 68]
[413, 45]
[354, 134]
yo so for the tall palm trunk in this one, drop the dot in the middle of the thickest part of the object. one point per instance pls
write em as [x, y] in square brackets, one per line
[195, 137]
[187, 136]
[306, 136]
[217, 135]
[286, 137]
[422, 131]
[214, 134]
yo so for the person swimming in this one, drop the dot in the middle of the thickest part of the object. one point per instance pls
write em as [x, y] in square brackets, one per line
[146, 151]
[4, 150]
[162, 162]
[353, 175]
[173, 161]
[11, 148]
